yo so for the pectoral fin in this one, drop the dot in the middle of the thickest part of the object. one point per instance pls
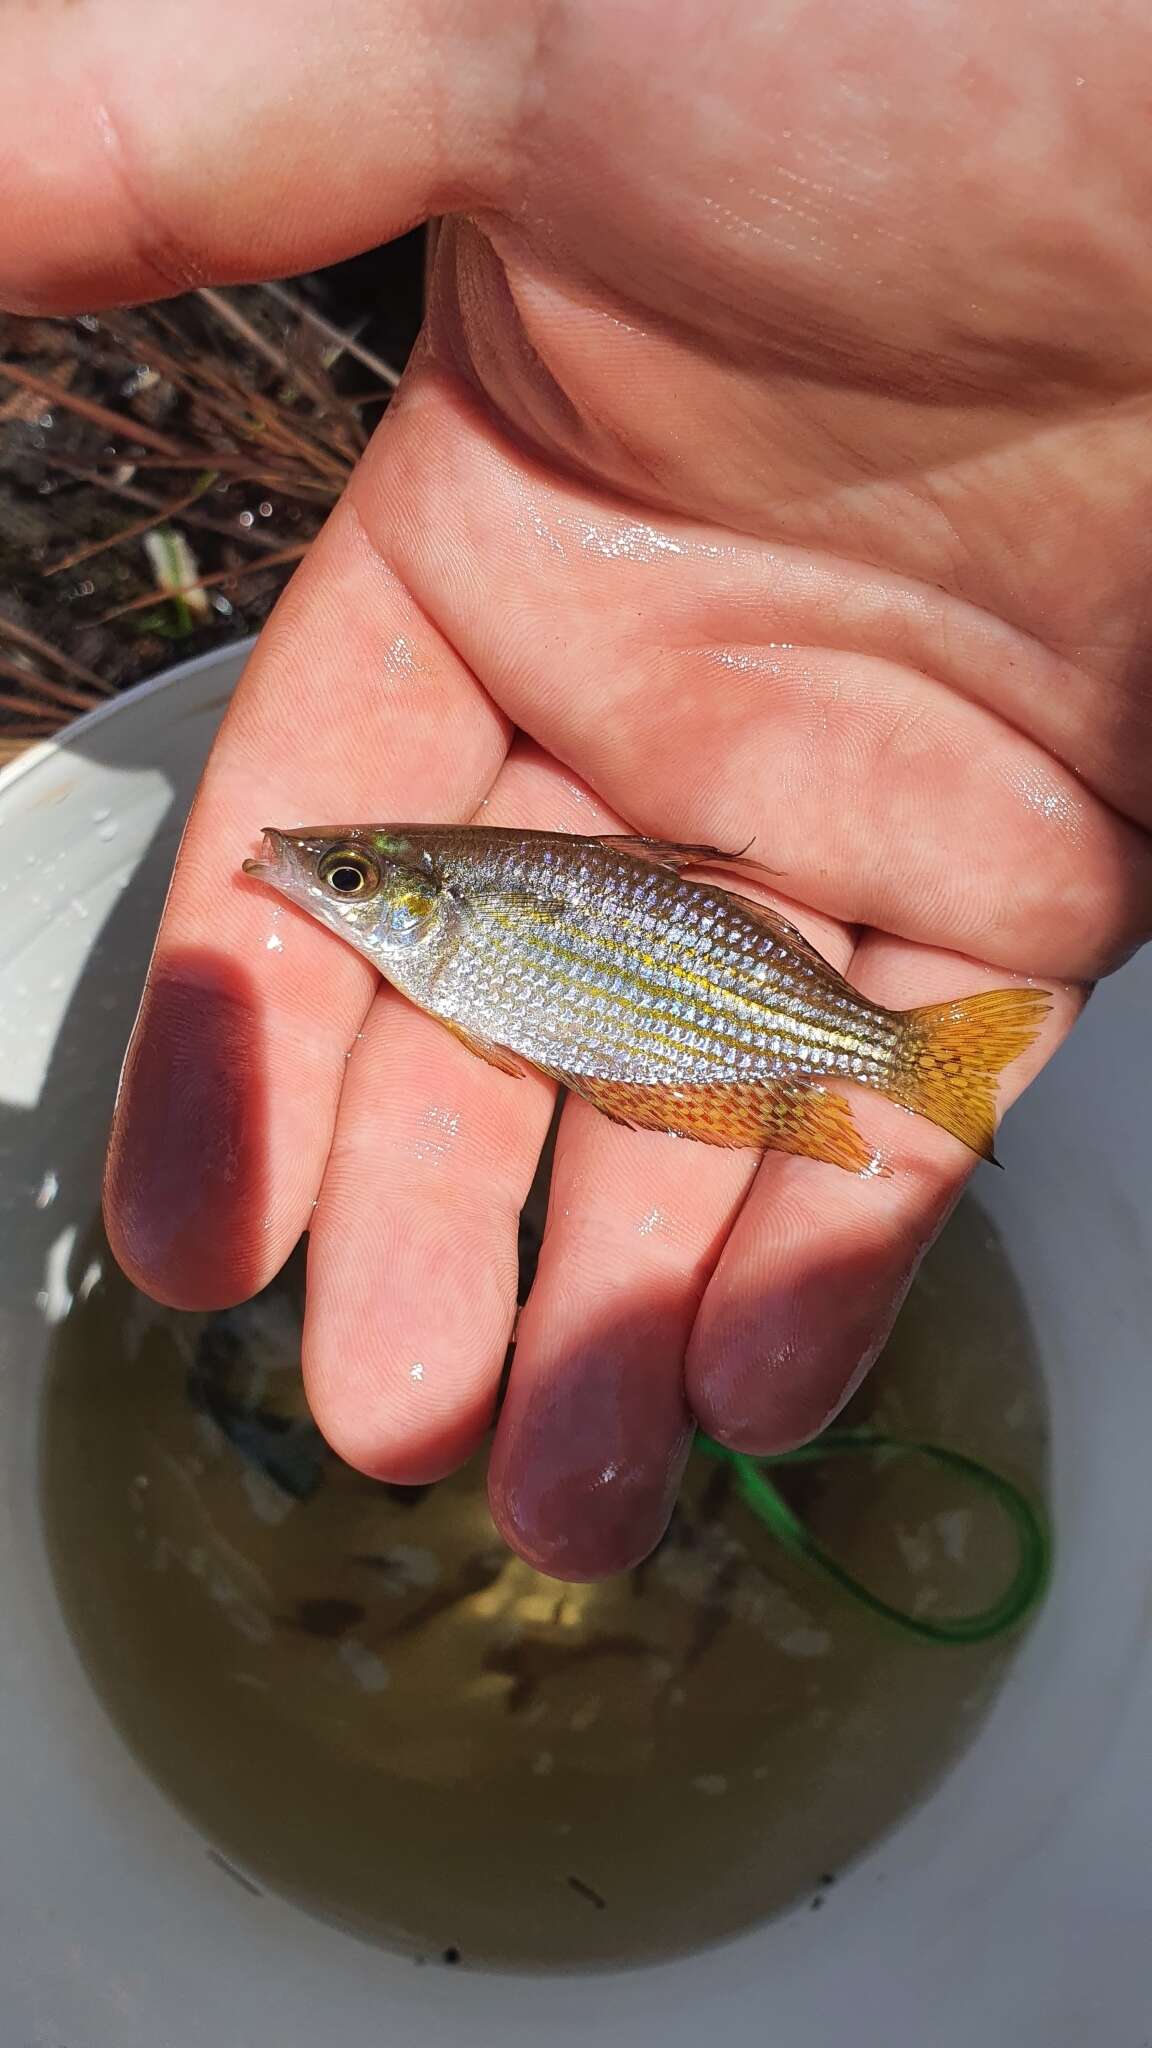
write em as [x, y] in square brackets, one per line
[485, 1049]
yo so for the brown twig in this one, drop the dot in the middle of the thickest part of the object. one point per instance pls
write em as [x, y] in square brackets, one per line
[322, 393]
[237, 406]
[13, 703]
[270, 561]
[97, 415]
[336, 335]
[138, 526]
[24, 637]
[211, 383]
[245, 468]
[248, 536]
[75, 700]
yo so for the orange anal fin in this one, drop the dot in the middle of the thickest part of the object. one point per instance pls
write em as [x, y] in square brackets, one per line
[496, 1055]
[799, 1117]
[953, 1054]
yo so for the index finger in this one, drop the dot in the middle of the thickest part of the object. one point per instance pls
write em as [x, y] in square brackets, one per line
[233, 1074]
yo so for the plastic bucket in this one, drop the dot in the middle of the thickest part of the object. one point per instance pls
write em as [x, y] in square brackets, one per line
[1012, 1906]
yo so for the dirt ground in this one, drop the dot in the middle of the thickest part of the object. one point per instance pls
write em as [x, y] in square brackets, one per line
[161, 470]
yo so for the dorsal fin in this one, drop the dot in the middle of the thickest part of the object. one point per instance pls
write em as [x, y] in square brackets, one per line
[675, 856]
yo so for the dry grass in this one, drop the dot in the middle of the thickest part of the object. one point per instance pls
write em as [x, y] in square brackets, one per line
[185, 502]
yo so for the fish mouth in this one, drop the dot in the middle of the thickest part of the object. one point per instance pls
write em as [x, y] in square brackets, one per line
[272, 853]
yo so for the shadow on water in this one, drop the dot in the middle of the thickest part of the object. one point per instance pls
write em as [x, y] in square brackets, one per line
[363, 1700]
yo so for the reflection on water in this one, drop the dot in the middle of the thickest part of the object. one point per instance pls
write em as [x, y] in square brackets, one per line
[366, 1703]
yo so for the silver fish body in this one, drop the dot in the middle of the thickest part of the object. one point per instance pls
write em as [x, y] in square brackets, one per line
[666, 1000]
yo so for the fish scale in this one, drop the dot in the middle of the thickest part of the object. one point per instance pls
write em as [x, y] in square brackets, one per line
[668, 1002]
[642, 1004]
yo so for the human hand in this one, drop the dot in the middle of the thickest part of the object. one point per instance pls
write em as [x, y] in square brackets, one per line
[775, 467]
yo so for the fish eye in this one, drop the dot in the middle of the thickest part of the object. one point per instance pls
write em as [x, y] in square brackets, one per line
[347, 872]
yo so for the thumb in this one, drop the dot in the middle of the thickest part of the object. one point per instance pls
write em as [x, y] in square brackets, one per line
[146, 150]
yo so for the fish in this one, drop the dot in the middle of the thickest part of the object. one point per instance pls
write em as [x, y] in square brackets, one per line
[667, 1000]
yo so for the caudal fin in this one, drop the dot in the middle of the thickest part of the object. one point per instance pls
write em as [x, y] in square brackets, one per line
[953, 1055]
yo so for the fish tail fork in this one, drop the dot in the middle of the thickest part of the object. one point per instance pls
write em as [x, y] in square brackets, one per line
[952, 1055]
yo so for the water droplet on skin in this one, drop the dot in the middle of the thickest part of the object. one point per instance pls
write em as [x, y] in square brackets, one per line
[416, 1371]
[274, 943]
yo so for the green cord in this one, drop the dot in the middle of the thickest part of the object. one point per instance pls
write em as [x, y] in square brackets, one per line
[1033, 1547]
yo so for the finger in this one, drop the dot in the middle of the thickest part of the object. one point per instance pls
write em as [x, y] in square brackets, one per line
[231, 1082]
[814, 1273]
[693, 684]
[144, 154]
[413, 1257]
[595, 1428]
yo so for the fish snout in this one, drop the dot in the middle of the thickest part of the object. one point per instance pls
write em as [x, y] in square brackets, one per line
[272, 852]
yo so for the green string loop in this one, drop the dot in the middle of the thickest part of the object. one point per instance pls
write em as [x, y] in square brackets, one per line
[1033, 1561]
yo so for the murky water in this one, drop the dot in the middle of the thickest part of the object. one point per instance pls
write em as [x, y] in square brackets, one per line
[366, 1703]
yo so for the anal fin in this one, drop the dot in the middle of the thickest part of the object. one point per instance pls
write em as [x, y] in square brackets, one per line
[798, 1117]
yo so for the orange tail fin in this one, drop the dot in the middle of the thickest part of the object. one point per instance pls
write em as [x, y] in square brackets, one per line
[953, 1055]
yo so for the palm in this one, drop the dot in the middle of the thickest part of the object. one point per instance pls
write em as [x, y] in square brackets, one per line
[730, 552]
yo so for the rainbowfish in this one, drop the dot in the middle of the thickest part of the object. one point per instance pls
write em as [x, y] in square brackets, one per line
[669, 1004]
